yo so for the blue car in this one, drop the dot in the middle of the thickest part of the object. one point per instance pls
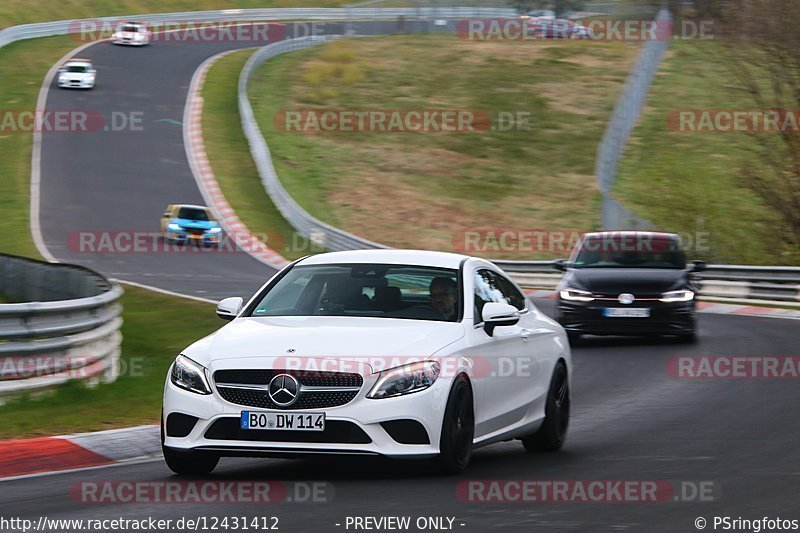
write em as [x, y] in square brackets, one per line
[184, 222]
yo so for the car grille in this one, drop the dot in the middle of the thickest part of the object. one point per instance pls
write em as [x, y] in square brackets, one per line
[194, 231]
[340, 388]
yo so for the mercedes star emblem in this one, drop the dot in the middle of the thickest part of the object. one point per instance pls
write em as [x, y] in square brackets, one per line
[283, 390]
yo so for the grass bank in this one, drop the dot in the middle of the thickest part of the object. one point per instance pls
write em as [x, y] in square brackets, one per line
[691, 182]
[426, 189]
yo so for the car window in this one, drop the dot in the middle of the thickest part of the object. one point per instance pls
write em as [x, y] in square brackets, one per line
[193, 213]
[629, 251]
[364, 290]
[510, 292]
[486, 290]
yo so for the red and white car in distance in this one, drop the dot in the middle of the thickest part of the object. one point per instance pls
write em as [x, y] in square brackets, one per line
[132, 33]
[400, 353]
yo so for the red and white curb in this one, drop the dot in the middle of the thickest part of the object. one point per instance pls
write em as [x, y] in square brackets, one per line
[26, 457]
[204, 175]
[711, 307]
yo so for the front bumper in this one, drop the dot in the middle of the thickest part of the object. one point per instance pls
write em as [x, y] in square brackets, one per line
[362, 426]
[665, 318]
[75, 84]
[183, 236]
[130, 42]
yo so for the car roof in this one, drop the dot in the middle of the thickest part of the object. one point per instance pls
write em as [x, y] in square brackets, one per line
[630, 233]
[78, 62]
[193, 206]
[389, 256]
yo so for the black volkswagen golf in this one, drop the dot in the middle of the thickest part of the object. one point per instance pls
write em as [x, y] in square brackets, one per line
[627, 283]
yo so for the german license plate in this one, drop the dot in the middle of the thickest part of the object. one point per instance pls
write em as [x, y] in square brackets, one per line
[283, 421]
[623, 312]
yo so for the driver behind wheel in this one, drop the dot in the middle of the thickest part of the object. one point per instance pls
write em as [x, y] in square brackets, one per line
[444, 296]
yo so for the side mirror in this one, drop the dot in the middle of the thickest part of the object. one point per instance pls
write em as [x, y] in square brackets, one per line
[698, 266]
[498, 314]
[229, 308]
[560, 264]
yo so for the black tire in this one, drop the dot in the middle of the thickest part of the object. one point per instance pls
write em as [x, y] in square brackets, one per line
[188, 463]
[458, 429]
[574, 337]
[551, 435]
[690, 337]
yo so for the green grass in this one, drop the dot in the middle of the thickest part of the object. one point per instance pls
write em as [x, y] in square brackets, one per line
[13, 12]
[150, 343]
[23, 66]
[151, 340]
[691, 182]
[233, 165]
[423, 189]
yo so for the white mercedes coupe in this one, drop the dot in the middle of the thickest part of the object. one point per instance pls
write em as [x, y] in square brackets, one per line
[400, 353]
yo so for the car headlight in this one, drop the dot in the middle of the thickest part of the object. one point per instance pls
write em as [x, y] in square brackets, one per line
[575, 295]
[677, 296]
[189, 375]
[90, 78]
[173, 226]
[405, 379]
[215, 230]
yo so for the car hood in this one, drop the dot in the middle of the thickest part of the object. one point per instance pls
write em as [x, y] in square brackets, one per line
[196, 224]
[259, 341]
[638, 281]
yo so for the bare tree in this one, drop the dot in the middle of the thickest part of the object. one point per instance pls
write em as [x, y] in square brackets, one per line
[762, 41]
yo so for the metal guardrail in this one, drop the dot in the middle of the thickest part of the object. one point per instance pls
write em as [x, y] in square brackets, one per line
[623, 119]
[718, 281]
[781, 284]
[322, 234]
[65, 327]
[64, 27]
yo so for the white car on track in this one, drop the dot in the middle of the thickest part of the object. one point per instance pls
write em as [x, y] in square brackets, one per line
[400, 353]
[132, 33]
[77, 74]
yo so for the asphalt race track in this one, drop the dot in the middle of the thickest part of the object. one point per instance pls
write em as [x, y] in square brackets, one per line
[632, 420]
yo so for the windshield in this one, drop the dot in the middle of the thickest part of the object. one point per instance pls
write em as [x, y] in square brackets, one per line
[192, 213]
[364, 290]
[77, 68]
[130, 28]
[629, 252]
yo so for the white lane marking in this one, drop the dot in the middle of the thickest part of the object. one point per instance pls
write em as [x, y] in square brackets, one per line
[203, 175]
[36, 157]
[164, 291]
